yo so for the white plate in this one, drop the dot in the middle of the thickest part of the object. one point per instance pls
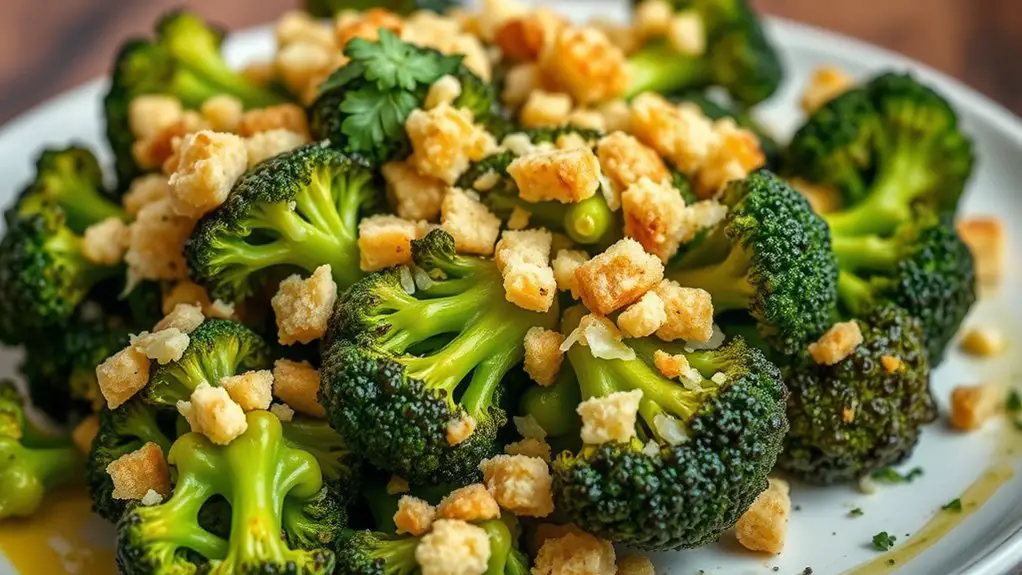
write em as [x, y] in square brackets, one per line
[821, 536]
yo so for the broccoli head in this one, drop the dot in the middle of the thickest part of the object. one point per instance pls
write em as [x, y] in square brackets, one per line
[329, 8]
[182, 61]
[865, 412]
[272, 489]
[738, 56]
[702, 451]
[403, 361]
[770, 256]
[31, 463]
[298, 210]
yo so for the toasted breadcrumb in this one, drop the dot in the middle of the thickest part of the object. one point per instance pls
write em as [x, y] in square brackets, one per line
[472, 225]
[625, 160]
[397, 485]
[531, 246]
[652, 18]
[188, 292]
[208, 164]
[643, 317]
[160, 150]
[530, 286]
[521, 81]
[185, 317]
[973, 405]
[519, 218]
[385, 241]
[145, 190]
[133, 474]
[983, 341]
[413, 195]
[149, 114]
[838, 343]
[543, 355]
[366, 25]
[303, 307]
[635, 565]
[223, 112]
[300, 66]
[584, 63]
[545, 109]
[686, 33]
[493, 14]
[151, 498]
[297, 384]
[671, 366]
[156, 243]
[211, 412]
[764, 526]
[733, 154]
[987, 240]
[164, 346]
[470, 503]
[565, 176]
[283, 411]
[459, 430]
[575, 553]
[520, 484]
[258, 72]
[251, 390]
[453, 547]
[682, 134]
[298, 26]
[610, 418]
[104, 242]
[414, 516]
[522, 38]
[444, 91]
[290, 117]
[445, 140]
[122, 375]
[826, 83]
[565, 265]
[270, 143]
[891, 364]
[530, 447]
[85, 432]
[655, 216]
[689, 313]
[618, 276]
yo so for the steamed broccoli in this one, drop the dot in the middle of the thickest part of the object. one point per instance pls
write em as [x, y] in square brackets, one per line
[738, 56]
[277, 507]
[44, 275]
[770, 256]
[328, 8]
[363, 106]
[297, 210]
[703, 448]
[865, 412]
[31, 463]
[182, 61]
[398, 367]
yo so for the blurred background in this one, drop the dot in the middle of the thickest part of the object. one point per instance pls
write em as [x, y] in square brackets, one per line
[47, 46]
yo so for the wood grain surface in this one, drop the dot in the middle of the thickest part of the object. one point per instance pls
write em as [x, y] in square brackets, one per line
[47, 46]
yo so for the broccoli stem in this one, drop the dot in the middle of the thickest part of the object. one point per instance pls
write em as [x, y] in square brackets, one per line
[727, 281]
[81, 203]
[478, 396]
[398, 555]
[588, 221]
[416, 321]
[855, 293]
[548, 405]
[68, 247]
[659, 68]
[56, 466]
[172, 525]
[865, 253]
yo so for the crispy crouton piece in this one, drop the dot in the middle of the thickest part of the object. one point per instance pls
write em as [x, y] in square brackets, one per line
[826, 83]
[689, 313]
[460, 429]
[891, 364]
[983, 341]
[149, 114]
[397, 485]
[643, 317]
[453, 548]
[617, 116]
[492, 15]
[414, 516]
[987, 240]
[686, 33]
[472, 225]
[185, 317]
[733, 154]
[164, 346]
[251, 390]
[652, 18]
[303, 307]
[625, 160]
[211, 412]
[444, 91]
[85, 432]
[145, 190]
[565, 265]
[610, 418]
[208, 165]
[655, 216]
[104, 242]
[618, 276]
[545, 109]
[445, 140]
[635, 565]
[529, 286]
[299, 26]
[122, 375]
[522, 38]
[413, 195]
[838, 343]
[670, 366]
[133, 474]
[469, 503]
[532, 246]
[530, 447]
[302, 65]
[584, 63]
[270, 143]
[575, 553]
[223, 112]
[297, 384]
[385, 241]
[187, 291]
[682, 134]
[290, 117]
[283, 411]
[366, 25]
[519, 218]
[521, 81]
[520, 484]
[973, 405]
[543, 355]
[764, 526]
[567, 176]
[160, 150]
[156, 243]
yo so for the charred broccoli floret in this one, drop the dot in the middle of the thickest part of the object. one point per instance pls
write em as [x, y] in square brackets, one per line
[398, 367]
[865, 412]
[770, 256]
[702, 451]
[297, 210]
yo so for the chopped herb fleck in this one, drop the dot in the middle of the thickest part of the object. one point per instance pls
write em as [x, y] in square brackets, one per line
[883, 541]
[953, 505]
[888, 475]
[1014, 401]
[857, 512]
[798, 508]
[890, 561]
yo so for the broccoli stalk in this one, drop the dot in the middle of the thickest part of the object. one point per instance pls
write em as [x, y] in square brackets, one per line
[341, 466]
[298, 209]
[770, 257]
[260, 476]
[381, 371]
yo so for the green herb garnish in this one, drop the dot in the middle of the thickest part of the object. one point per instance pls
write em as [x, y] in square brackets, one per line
[883, 541]
[953, 505]
[857, 512]
[888, 475]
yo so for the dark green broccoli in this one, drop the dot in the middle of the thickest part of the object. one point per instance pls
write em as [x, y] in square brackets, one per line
[328, 8]
[701, 455]
[122, 431]
[738, 56]
[277, 506]
[398, 367]
[363, 106]
[183, 61]
[31, 462]
[865, 412]
[44, 275]
[770, 256]
[297, 210]
[714, 110]
[216, 349]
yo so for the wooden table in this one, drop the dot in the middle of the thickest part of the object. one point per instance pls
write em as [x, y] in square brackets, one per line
[47, 46]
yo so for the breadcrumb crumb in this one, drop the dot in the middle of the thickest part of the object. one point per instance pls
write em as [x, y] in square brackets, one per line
[453, 547]
[297, 384]
[470, 503]
[185, 317]
[644, 317]
[987, 240]
[397, 485]
[764, 526]
[251, 390]
[459, 430]
[618, 276]
[303, 307]
[211, 412]
[208, 164]
[122, 375]
[530, 447]
[567, 176]
[520, 484]
[826, 83]
[610, 418]
[565, 265]
[134, 474]
[689, 313]
[104, 242]
[973, 405]
[575, 553]
[85, 432]
[156, 243]
[635, 565]
[445, 140]
[983, 341]
[472, 225]
[543, 355]
[414, 516]
[385, 241]
[837, 344]
[413, 195]
[164, 346]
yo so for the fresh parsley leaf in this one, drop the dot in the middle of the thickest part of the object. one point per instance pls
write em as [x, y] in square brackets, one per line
[883, 541]
[375, 117]
[391, 63]
[343, 76]
[953, 505]
[1014, 401]
[888, 475]
[857, 512]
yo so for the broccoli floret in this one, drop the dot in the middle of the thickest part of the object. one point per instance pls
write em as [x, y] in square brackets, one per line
[329, 8]
[770, 256]
[216, 349]
[340, 464]
[398, 366]
[122, 431]
[266, 483]
[363, 106]
[297, 210]
[714, 110]
[701, 455]
[738, 56]
[865, 412]
[183, 61]
[31, 463]
[885, 146]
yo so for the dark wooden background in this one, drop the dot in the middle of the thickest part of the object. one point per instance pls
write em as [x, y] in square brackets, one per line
[47, 46]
